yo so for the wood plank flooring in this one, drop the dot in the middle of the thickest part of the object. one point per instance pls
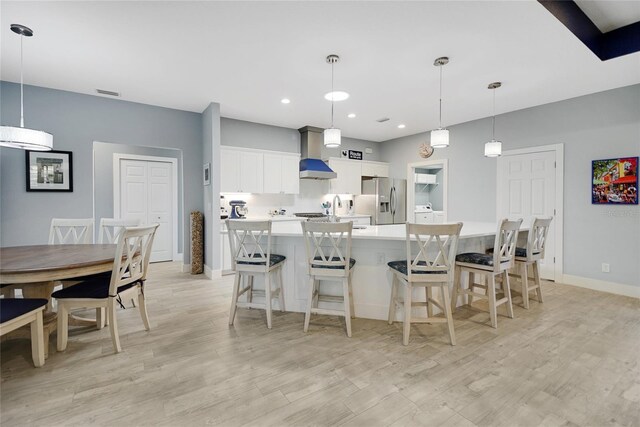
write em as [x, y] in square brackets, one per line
[574, 360]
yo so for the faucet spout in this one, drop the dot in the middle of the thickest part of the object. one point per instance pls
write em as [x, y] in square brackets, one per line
[336, 201]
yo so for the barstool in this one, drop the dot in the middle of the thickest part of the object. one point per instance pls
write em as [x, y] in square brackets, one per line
[334, 238]
[489, 266]
[531, 256]
[250, 258]
[431, 267]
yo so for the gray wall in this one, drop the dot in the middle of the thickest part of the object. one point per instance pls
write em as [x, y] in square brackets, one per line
[598, 126]
[103, 178]
[238, 133]
[76, 121]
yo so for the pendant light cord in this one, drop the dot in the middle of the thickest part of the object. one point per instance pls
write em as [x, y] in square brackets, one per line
[21, 85]
[493, 131]
[440, 126]
[332, 95]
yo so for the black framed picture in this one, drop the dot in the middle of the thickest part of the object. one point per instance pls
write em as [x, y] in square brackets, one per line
[615, 181]
[49, 171]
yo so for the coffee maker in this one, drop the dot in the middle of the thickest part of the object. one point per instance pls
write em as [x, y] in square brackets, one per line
[238, 209]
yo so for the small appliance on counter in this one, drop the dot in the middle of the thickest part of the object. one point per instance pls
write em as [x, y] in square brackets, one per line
[224, 213]
[238, 209]
[350, 210]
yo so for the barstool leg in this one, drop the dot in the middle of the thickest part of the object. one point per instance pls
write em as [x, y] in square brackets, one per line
[536, 278]
[407, 314]
[491, 293]
[446, 304]
[353, 307]
[234, 298]
[347, 305]
[267, 294]
[250, 291]
[506, 287]
[307, 315]
[472, 281]
[456, 288]
[281, 291]
[524, 278]
[429, 292]
[393, 300]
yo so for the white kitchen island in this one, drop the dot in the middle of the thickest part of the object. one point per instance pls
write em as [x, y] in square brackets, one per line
[372, 247]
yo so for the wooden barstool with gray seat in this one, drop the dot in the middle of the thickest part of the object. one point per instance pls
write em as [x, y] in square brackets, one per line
[336, 265]
[489, 266]
[432, 267]
[251, 258]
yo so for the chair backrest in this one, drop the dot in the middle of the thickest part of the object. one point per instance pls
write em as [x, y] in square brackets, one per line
[505, 244]
[437, 245]
[71, 231]
[110, 228]
[132, 256]
[328, 247]
[537, 239]
[250, 242]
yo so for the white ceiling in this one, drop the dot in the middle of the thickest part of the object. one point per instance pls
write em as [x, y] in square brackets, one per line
[247, 56]
[610, 14]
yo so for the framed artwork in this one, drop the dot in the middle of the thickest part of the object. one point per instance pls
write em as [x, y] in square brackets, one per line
[206, 174]
[614, 181]
[49, 171]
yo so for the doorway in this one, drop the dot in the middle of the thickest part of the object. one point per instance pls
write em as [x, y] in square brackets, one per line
[427, 186]
[145, 188]
[530, 184]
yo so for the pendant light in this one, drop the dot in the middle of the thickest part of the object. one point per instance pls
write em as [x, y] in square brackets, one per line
[22, 137]
[332, 136]
[440, 136]
[493, 148]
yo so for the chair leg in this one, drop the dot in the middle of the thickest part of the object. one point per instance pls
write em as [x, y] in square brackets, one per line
[142, 304]
[353, 306]
[446, 304]
[524, 279]
[234, 299]
[429, 292]
[133, 302]
[406, 327]
[100, 317]
[307, 315]
[393, 300]
[37, 340]
[472, 282]
[456, 287]
[267, 295]
[281, 290]
[63, 326]
[506, 287]
[113, 325]
[250, 291]
[491, 294]
[536, 278]
[347, 305]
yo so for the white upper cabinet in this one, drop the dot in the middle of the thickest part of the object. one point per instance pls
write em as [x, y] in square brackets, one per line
[272, 174]
[251, 172]
[290, 174]
[375, 169]
[258, 171]
[349, 180]
[281, 173]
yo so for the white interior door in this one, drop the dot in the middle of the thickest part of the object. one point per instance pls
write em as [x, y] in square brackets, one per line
[526, 189]
[146, 194]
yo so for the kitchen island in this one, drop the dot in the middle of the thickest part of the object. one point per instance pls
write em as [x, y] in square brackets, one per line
[372, 247]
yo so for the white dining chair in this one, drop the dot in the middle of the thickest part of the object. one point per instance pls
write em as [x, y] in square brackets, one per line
[18, 312]
[110, 228]
[65, 231]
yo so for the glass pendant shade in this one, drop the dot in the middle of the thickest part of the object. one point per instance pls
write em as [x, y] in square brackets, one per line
[493, 148]
[25, 139]
[332, 138]
[440, 138]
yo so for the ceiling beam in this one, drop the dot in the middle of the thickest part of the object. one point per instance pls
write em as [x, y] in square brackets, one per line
[609, 45]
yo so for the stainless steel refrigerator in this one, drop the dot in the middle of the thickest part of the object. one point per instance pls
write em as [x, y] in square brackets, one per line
[385, 199]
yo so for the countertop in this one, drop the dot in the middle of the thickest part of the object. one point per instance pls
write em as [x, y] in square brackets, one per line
[280, 218]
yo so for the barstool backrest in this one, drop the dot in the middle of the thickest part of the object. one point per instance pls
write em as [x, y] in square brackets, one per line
[328, 247]
[505, 244]
[250, 243]
[437, 245]
[110, 228]
[71, 231]
[537, 239]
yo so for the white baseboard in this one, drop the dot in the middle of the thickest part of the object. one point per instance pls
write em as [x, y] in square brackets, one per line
[186, 268]
[601, 285]
[212, 274]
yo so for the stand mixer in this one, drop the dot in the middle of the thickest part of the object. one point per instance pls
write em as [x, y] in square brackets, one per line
[238, 209]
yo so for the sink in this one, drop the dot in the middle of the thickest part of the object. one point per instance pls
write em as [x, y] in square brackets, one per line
[359, 227]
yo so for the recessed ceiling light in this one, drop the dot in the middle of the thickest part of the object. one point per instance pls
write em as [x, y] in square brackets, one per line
[401, 126]
[351, 115]
[337, 95]
[285, 100]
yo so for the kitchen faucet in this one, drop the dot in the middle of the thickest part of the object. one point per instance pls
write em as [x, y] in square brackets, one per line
[333, 217]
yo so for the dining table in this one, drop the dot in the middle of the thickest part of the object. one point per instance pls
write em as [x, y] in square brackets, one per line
[36, 269]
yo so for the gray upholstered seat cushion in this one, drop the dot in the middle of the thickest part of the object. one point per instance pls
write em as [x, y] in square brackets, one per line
[352, 262]
[401, 267]
[476, 258]
[275, 259]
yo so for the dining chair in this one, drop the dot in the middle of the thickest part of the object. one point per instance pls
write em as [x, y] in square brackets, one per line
[250, 243]
[17, 312]
[65, 231]
[110, 228]
[126, 281]
[531, 256]
[329, 259]
[489, 266]
[431, 267]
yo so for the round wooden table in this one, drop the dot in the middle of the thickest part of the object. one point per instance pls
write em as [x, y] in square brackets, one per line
[35, 269]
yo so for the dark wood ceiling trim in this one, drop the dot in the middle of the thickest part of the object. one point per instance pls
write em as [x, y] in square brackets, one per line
[615, 43]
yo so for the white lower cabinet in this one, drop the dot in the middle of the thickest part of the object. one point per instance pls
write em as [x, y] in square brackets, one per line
[225, 252]
[356, 220]
[435, 217]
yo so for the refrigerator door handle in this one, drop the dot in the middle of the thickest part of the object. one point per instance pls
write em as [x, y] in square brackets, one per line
[392, 199]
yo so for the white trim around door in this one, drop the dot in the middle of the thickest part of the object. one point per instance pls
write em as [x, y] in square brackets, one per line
[559, 198]
[411, 184]
[117, 157]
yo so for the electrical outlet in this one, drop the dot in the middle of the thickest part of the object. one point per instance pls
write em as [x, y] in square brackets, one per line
[605, 267]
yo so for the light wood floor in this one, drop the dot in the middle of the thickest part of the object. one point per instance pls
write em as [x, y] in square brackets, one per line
[573, 360]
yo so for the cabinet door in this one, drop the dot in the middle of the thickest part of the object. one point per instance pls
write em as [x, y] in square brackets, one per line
[349, 177]
[273, 173]
[251, 172]
[290, 175]
[229, 171]
[375, 169]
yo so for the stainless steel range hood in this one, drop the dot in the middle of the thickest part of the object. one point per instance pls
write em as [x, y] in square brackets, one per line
[311, 165]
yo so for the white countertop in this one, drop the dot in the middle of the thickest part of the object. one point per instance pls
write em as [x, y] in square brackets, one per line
[280, 218]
